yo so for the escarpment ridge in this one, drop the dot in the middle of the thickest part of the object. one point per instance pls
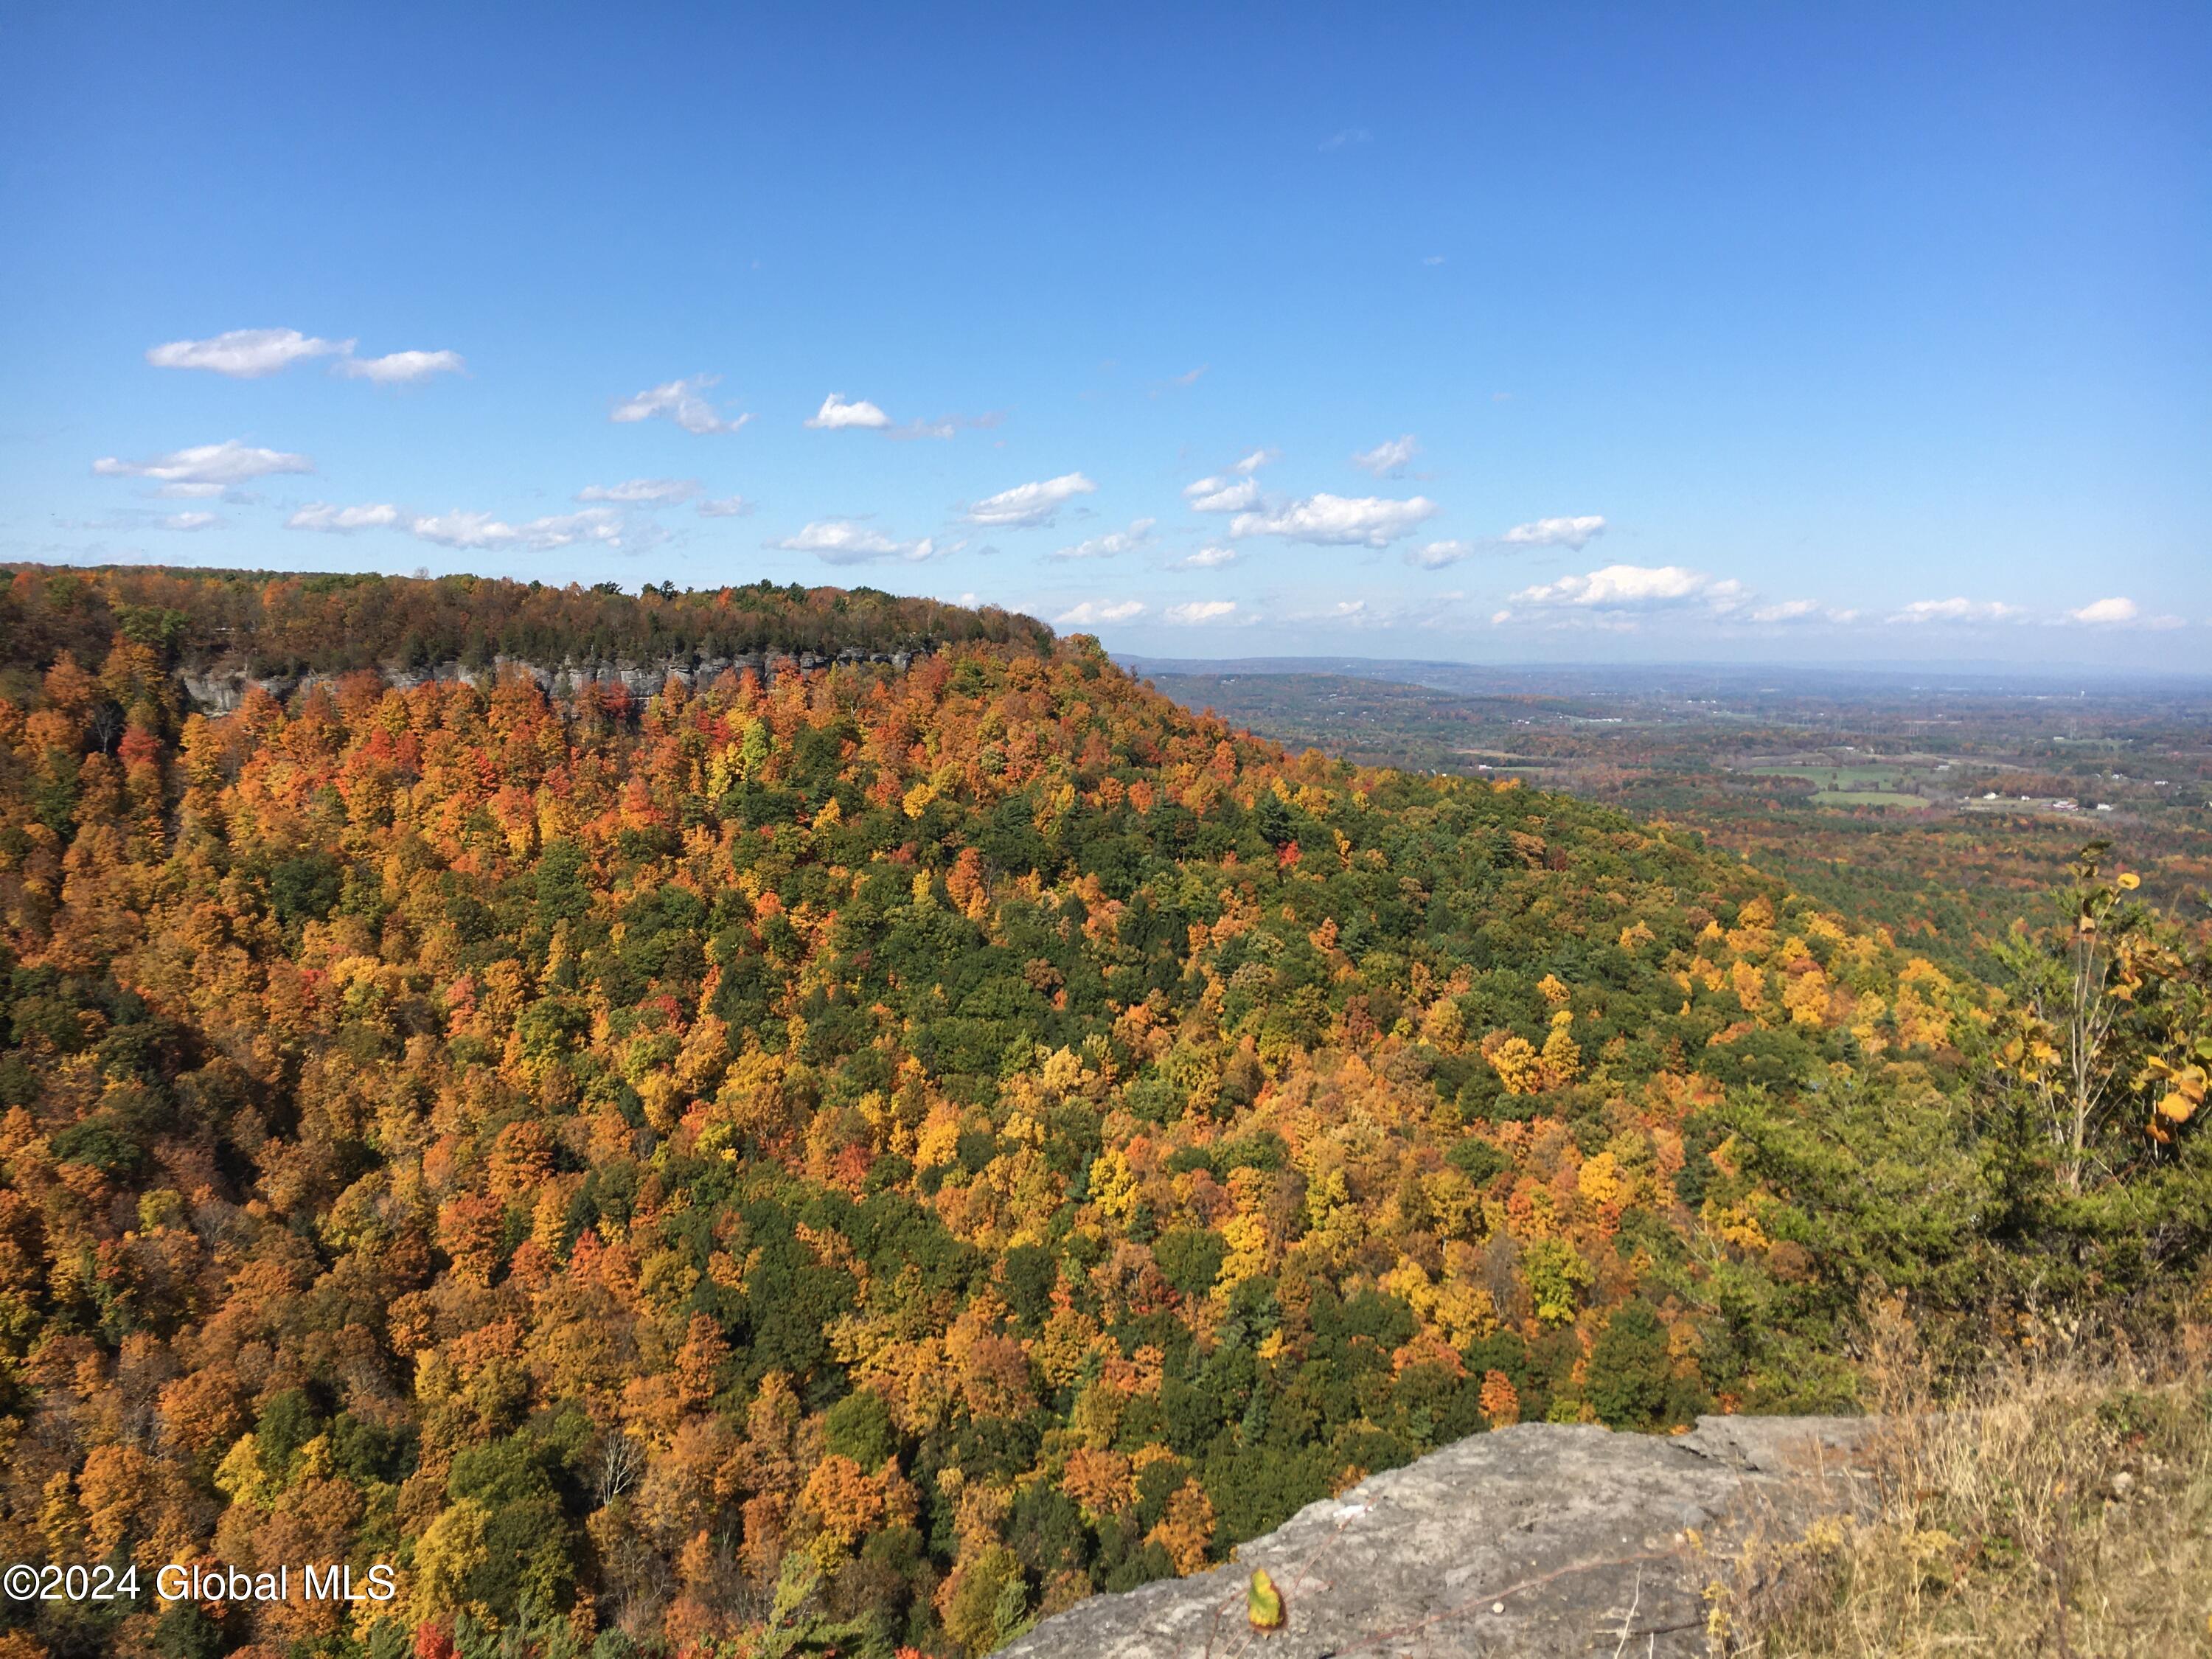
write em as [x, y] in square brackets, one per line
[223, 632]
[218, 690]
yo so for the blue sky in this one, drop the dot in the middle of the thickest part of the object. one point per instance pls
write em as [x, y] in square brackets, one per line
[1560, 331]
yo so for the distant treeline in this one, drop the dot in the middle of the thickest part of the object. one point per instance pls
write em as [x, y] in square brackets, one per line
[271, 623]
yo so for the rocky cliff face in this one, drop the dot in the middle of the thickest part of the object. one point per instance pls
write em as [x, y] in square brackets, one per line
[220, 690]
[1540, 1540]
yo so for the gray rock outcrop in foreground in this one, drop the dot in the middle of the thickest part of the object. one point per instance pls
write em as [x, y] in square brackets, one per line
[1540, 1540]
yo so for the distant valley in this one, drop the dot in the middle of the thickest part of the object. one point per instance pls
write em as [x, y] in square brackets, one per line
[1936, 802]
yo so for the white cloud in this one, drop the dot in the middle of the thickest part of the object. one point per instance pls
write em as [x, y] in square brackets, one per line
[1388, 460]
[1789, 610]
[1572, 533]
[1110, 545]
[1223, 494]
[1199, 610]
[841, 541]
[2105, 612]
[469, 530]
[1255, 460]
[1437, 555]
[1575, 534]
[246, 354]
[206, 468]
[1091, 611]
[1347, 136]
[1433, 260]
[1617, 596]
[1207, 558]
[1338, 520]
[482, 530]
[655, 492]
[1635, 587]
[1190, 377]
[399, 367]
[342, 521]
[836, 414]
[679, 400]
[1957, 611]
[1030, 504]
[1800, 611]
[725, 507]
[191, 521]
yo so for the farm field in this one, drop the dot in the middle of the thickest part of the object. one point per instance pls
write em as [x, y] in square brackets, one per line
[1937, 804]
[1869, 798]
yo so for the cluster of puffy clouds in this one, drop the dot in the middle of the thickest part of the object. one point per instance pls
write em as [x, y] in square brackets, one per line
[1030, 506]
[1112, 544]
[604, 515]
[1619, 595]
[247, 353]
[1619, 598]
[847, 541]
[684, 402]
[1626, 596]
[841, 414]
[205, 469]
[466, 530]
[667, 492]
[1024, 506]
[1616, 597]
[1320, 519]
[1324, 519]
[680, 401]
[225, 469]
[1236, 490]
[1234, 500]
[2116, 611]
[614, 515]
[1574, 533]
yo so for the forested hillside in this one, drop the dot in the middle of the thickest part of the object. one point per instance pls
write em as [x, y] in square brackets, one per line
[858, 1161]
[272, 625]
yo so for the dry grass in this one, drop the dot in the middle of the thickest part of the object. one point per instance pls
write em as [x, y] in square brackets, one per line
[2062, 1505]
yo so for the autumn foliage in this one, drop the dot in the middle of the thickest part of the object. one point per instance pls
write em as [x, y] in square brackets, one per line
[865, 1158]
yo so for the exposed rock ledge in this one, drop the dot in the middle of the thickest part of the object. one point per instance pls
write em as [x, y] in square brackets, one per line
[1540, 1540]
[219, 691]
